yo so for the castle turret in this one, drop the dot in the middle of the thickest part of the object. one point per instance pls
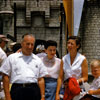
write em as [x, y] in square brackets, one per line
[6, 14]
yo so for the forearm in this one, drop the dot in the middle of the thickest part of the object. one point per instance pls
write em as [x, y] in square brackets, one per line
[59, 83]
[94, 92]
[6, 87]
[42, 88]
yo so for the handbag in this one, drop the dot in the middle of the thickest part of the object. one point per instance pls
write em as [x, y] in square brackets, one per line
[72, 89]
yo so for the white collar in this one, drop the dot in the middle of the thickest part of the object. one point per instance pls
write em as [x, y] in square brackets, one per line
[21, 55]
[75, 60]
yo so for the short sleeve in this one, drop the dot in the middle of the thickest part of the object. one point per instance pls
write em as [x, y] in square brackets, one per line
[3, 57]
[6, 67]
[42, 70]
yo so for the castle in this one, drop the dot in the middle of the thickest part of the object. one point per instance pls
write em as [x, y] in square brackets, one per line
[46, 20]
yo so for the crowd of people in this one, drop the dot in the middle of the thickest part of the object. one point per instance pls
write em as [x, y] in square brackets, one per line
[44, 76]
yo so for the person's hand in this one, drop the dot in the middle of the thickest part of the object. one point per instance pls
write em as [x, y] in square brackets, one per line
[57, 97]
[42, 98]
[19, 50]
[82, 94]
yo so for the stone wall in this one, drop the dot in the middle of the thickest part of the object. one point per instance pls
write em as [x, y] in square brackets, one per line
[90, 30]
[42, 19]
[39, 17]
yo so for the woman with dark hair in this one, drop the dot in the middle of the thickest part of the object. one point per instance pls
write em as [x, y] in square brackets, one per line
[52, 63]
[73, 64]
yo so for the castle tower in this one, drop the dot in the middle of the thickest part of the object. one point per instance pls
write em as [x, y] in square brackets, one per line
[6, 14]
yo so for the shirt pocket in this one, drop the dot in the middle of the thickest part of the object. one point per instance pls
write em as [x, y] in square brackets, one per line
[17, 70]
[35, 69]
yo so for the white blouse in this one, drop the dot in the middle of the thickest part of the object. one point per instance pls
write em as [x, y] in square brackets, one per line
[73, 70]
[53, 66]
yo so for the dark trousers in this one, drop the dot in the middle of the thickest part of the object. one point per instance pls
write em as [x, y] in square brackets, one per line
[27, 92]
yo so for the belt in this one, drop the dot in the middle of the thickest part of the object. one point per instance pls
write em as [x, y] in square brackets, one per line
[24, 84]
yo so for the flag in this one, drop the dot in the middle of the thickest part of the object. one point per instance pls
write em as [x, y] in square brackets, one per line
[78, 7]
[68, 6]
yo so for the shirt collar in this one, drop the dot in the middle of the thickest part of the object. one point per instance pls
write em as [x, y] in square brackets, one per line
[21, 55]
[49, 60]
[75, 60]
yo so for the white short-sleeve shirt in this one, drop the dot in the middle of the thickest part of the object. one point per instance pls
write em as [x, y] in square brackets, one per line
[23, 69]
[73, 70]
[95, 85]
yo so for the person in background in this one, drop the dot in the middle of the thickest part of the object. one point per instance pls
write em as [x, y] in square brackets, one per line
[3, 42]
[41, 51]
[24, 71]
[16, 47]
[11, 45]
[52, 64]
[73, 64]
[94, 91]
[3, 56]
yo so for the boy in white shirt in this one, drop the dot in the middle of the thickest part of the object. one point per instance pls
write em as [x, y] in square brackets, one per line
[94, 91]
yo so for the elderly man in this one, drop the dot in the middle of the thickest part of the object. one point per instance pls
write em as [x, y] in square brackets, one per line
[25, 71]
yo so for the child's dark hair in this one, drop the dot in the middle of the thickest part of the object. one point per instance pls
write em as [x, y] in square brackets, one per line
[77, 39]
[50, 43]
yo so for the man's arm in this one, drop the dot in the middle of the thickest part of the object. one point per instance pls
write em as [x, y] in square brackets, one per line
[6, 87]
[42, 88]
